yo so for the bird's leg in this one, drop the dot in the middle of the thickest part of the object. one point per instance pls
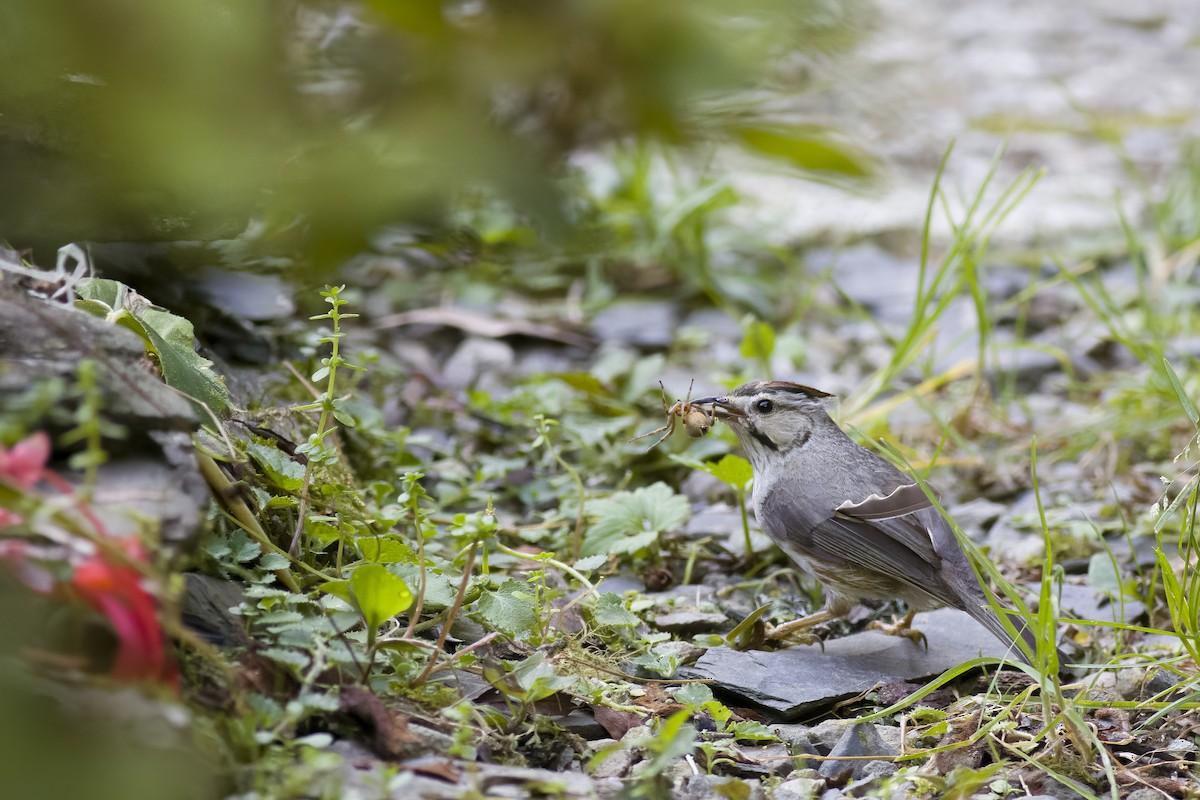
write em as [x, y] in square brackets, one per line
[901, 627]
[797, 630]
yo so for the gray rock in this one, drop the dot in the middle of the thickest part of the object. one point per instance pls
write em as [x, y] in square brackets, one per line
[476, 362]
[828, 733]
[799, 789]
[976, 516]
[687, 623]
[761, 762]
[799, 680]
[647, 324]
[717, 787]
[583, 723]
[138, 492]
[614, 765]
[878, 769]
[619, 584]
[718, 521]
[1144, 793]
[799, 738]
[858, 270]
[857, 743]
[206, 608]
[491, 780]
[1084, 602]
[131, 394]
[1008, 541]
[892, 735]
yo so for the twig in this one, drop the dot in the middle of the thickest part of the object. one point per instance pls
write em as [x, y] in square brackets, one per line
[454, 609]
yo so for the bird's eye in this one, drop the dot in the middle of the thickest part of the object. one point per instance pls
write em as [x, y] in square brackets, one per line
[764, 405]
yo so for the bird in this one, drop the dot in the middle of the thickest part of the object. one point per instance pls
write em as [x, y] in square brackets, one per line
[848, 517]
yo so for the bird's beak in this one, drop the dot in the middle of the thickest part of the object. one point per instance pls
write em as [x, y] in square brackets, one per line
[721, 405]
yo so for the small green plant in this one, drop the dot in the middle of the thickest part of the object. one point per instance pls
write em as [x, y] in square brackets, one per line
[959, 270]
[1181, 582]
[319, 448]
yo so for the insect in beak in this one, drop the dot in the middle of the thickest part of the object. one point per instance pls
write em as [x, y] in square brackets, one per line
[721, 406]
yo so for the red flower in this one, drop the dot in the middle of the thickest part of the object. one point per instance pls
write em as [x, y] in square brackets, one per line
[23, 463]
[116, 591]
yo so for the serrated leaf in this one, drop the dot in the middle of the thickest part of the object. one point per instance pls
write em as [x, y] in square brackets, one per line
[733, 471]
[591, 562]
[99, 292]
[610, 610]
[503, 611]
[693, 694]
[278, 466]
[243, 547]
[292, 658]
[170, 337]
[174, 342]
[751, 731]
[629, 522]
[537, 678]
[273, 561]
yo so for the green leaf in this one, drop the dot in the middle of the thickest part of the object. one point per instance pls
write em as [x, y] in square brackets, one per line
[386, 549]
[731, 470]
[99, 293]
[502, 610]
[583, 381]
[278, 466]
[749, 730]
[673, 740]
[539, 680]
[439, 589]
[610, 610]
[758, 342]
[591, 562]
[1104, 577]
[807, 147]
[273, 561]
[170, 337]
[693, 695]
[378, 594]
[630, 522]
[292, 658]
[1189, 407]
[174, 342]
[339, 589]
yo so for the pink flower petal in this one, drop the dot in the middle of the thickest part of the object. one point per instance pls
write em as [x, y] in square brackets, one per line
[24, 462]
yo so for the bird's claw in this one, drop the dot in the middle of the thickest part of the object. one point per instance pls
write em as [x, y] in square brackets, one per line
[794, 636]
[902, 628]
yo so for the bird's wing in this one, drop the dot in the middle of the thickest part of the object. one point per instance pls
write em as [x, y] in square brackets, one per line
[895, 542]
[904, 500]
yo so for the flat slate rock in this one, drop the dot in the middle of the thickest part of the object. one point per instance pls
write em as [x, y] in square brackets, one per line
[801, 679]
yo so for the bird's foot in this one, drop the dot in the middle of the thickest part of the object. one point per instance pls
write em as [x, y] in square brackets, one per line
[790, 633]
[901, 627]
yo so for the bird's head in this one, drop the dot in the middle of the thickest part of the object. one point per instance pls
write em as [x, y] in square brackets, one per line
[770, 418]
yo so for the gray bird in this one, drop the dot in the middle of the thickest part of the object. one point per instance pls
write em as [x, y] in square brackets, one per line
[860, 526]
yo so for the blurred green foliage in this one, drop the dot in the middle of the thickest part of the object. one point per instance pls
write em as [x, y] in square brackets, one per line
[141, 120]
